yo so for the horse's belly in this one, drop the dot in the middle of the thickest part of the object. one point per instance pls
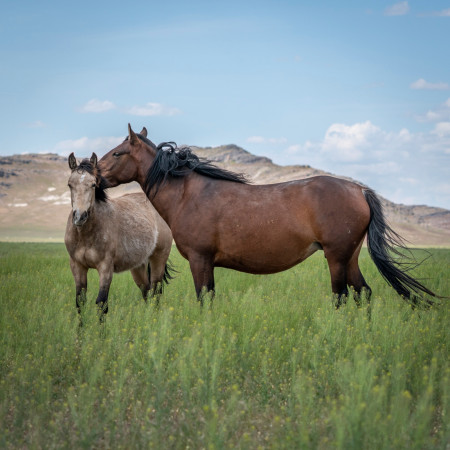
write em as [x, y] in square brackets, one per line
[264, 259]
[130, 259]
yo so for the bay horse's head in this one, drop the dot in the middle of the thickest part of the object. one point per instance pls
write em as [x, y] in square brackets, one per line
[124, 163]
[86, 187]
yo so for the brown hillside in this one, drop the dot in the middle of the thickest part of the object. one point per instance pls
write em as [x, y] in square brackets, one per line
[35, 200]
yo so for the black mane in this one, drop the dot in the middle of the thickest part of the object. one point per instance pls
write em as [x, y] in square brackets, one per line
[100, 193]
[180, 162]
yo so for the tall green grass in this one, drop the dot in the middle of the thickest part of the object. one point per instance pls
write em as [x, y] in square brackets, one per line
[271, 365]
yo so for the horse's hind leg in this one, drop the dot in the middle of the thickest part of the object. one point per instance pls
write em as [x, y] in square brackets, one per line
[157, 268]
[355, 278]
[337, 263]
[141, 278]
[338, 273]
[157, 264]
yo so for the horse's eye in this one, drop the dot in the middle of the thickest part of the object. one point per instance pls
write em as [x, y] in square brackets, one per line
[93, 185]
[116, 154]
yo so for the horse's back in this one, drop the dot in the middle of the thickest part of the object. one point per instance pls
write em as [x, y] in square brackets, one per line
[138, 208]
[140, 227]
[315, 202]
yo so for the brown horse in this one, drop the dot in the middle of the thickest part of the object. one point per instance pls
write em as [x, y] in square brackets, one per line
[218, 219]
[113, 235]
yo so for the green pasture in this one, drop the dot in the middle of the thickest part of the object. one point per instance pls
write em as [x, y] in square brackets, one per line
[270, 365]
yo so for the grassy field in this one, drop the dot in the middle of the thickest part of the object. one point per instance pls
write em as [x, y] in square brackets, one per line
[270, 365]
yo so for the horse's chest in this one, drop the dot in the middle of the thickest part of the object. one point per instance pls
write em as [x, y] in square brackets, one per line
[88, 257]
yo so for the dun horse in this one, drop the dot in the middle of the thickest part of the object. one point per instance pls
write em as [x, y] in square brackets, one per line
[218, 219]
[113, 235]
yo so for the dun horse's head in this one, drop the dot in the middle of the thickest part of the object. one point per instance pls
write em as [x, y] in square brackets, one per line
[86, 187]
[122, 164]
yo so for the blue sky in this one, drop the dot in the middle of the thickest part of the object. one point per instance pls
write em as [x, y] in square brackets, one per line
[360, 89]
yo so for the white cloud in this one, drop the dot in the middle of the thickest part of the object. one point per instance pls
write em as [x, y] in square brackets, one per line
[431, 116]
[149, 109]
[292, 149]
[152, 109]
[281, 140]
[405, 135]
[347, 142]
[36, 124]
[439, 114]
[401, 165]
[350, 144]
[398, 9]
[409, 180]
[422, 84]
[442, 188]
[264, 140]
[366, 143]
[442, 129]
[97, 106]
[256, 139]
[84, 146]
[378, 169]
[443, 13]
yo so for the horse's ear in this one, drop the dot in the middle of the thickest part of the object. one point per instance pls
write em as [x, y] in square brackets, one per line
[132, 135]
[94, 159]
[72, 161]
[144, 132]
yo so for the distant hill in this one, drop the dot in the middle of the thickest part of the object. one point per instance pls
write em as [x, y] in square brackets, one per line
[35, 199]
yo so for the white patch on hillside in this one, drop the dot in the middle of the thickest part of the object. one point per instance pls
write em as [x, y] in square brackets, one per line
[63, 199]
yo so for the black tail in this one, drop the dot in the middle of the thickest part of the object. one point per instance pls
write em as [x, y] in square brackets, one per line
[383, 242]
[149, 272]
[169, 272]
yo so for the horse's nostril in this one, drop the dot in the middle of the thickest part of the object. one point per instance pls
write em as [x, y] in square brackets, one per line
[79, 218]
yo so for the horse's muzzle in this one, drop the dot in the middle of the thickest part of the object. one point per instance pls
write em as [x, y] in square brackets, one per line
[79, 218]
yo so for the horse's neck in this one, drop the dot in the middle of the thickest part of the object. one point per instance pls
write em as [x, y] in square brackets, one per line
[169, 197]
[170, 194]
[176, 193]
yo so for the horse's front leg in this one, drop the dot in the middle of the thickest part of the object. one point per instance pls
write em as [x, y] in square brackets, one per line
[105, 272]
[202, 270]
[80, 276]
